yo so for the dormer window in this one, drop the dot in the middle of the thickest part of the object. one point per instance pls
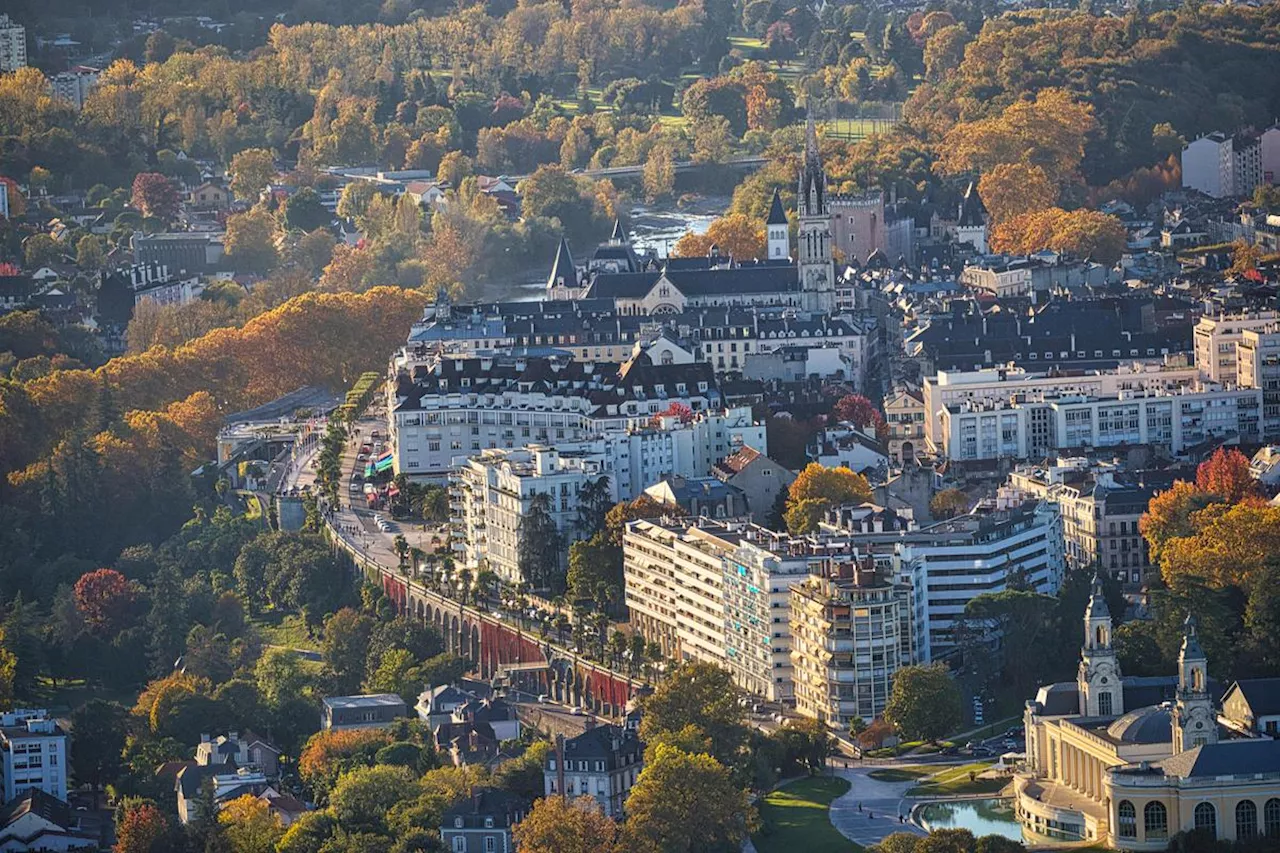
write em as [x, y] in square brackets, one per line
[488, 823]
[457, 823]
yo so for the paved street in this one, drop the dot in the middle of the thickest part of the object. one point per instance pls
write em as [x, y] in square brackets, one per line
[882, 803]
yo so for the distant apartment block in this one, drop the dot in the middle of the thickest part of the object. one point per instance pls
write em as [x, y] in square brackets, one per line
[1216, 339]
[1000, 384]
[950, 563]
[33, 754]
[75, 84]
[13, 44]
[1222, 166]
[719, 592]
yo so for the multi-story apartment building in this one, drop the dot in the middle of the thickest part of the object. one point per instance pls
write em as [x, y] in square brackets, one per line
[455, 406]
[13, 44]
[904, 411]
[1216, 339]
[1033, 426]
[33, 754]
[1258, 366]
[1000, 384]
[491, 493]
[850, 633]
[74, 84]
[718, 591]
[988, 551]
[1220, 165]
[1101, 507]
[603, 762]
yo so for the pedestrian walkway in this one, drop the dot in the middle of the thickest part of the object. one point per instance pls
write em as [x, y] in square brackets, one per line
[870, 809]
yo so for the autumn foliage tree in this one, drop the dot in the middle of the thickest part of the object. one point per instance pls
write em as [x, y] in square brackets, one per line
[861, 412]
[155, 195]
[105, 599]
[1009, 190]
[140, 827]
[560, 825]
[818, 488]
[1226, 475]
[733, 235]
[1084, 233]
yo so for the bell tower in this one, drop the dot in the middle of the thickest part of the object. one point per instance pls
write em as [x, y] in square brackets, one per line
[1098, 679]
[1194, 722]
[815, 265]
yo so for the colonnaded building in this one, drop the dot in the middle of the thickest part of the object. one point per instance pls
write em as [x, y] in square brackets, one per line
[1127, 762]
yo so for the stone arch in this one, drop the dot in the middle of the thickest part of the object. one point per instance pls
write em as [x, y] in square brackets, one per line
[422, 610]
[475, 642]
[464, 639]
[453, 634]
[908, 452]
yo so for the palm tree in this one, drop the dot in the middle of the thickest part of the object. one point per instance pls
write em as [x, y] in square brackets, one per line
[417, 556]
[401, 546]
[487, 582]
[464, 585]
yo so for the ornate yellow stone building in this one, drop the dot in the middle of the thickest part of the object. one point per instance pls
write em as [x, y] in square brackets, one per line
[1127, 762]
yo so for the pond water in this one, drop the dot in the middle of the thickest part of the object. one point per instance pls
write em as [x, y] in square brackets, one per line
[991, 816]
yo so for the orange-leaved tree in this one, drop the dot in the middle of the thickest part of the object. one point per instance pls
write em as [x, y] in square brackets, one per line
[1226, 475]
[816, 489]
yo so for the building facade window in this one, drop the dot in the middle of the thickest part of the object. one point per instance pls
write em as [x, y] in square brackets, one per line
[1128, 819]
[1206, 817]
[1271, 817]
[1155, 820]
[1246, 820]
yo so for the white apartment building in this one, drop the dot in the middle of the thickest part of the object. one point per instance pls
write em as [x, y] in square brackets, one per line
[1000, 384]
[1034, 426]
[13, 44]
[75, 84]
[1258, 366]
[718, 592]
[952, 562]
[491, 493]
[33, 752]
[1219, 165]
[1216, 339]
[456, 406]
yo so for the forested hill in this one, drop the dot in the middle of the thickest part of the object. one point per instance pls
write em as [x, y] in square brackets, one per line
[1197, 69]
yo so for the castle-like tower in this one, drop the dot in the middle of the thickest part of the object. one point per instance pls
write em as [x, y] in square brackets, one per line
[1194, 720]
[1098, 679]
[779, 241]
[815, 262]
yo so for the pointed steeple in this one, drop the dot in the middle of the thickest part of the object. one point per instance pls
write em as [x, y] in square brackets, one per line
[777, 216]
[619, 235]
[973, 214]
[813, 181]
[563, 272]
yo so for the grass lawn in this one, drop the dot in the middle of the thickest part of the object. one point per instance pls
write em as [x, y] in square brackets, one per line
[955, 780]
[795, 818]
[900, 774]
[287, 630]
[74, 692]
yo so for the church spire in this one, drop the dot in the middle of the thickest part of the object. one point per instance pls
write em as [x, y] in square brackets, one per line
[563, 273]
[813, 180]
[1098, 679]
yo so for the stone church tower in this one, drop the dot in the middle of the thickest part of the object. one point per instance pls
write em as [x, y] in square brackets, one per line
[1098, 680]
[815, 263]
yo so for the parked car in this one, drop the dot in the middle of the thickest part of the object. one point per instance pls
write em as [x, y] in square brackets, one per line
[577, 712]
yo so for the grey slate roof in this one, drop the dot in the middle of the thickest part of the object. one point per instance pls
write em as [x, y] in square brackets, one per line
[1227, 758]
[777, 216]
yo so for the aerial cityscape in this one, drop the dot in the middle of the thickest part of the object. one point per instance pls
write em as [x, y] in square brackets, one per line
[640, 426]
